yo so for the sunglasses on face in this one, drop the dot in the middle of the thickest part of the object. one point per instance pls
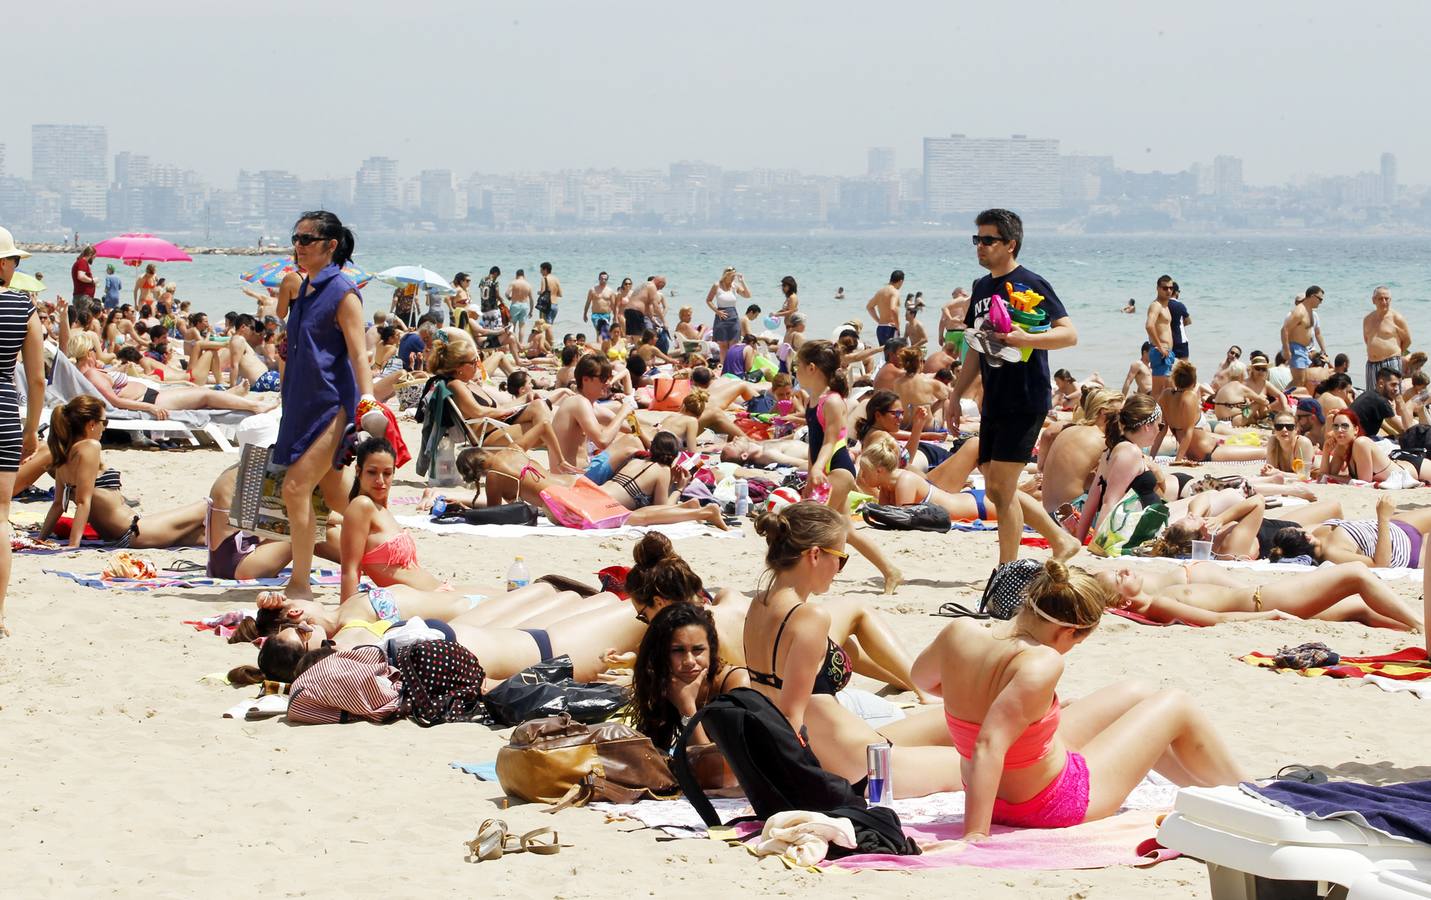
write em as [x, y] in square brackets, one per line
[1343, 426]
[643, 618]
[988, 240]
[841, 555]
[1284, 426]
[303, 240]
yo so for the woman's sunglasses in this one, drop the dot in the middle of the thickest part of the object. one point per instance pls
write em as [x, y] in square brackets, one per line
[303, 240]
[1284, 426]
[841, 555]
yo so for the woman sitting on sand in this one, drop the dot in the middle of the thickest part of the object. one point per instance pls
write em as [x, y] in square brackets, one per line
[1351, 453]
[879, 474]
[1068, 454]
[661, 578]
[793, 662]
[1392, 540]
[239, 554]
[1289, 451]
[122, 393]
[1346, 592]
[686, 424]
[77, 465]
[1031, 763]
[884, 414]
[1235, 402]
[1181, 404]
[678, 669]
[1124, 466]
[915, 388]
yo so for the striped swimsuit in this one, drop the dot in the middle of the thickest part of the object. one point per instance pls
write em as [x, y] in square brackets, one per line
[15, 311]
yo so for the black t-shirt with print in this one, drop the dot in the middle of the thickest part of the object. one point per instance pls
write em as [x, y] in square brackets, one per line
[1015, 388]
[1372, 409]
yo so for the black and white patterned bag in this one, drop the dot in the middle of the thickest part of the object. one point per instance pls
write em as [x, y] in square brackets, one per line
[1004, 593]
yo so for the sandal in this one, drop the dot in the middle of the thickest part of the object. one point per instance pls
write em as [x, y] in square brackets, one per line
[490, 842]
[543, 842]
[1300, 774]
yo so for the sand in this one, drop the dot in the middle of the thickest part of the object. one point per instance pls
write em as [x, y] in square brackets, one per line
[120, 776]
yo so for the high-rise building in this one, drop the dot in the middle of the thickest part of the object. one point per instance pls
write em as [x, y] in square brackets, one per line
[1081, 179]
[376, 189]
[333, 194]
[131, 170]
[437, 195]
[881, 162]
[1227, 177]
[964, 174]
[1388, 178]
[282, 198]
[63, 153]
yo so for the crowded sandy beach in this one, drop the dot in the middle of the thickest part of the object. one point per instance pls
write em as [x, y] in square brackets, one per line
[914, 601]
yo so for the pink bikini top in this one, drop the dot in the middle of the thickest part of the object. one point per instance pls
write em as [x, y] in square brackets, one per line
[398, 552]
[1027, 749]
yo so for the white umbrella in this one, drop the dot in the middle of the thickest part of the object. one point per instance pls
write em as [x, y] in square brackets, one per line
[425, 278]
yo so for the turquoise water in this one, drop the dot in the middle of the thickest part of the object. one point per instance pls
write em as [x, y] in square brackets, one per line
[1238, 290]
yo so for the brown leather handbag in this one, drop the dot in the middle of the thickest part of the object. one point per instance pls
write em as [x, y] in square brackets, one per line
[560, 761]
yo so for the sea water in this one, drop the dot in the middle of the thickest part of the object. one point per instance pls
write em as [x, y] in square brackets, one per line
[1237, 289]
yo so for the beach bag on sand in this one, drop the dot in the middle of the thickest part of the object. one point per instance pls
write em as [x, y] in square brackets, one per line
[518, 513]
[584, 505]
[559, 760]
[348, 686]
[441, 683]
[668, 393]
[548, 689]
[914, 517]
[1129, 524]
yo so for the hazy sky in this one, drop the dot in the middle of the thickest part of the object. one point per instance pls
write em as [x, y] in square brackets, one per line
[313, 86]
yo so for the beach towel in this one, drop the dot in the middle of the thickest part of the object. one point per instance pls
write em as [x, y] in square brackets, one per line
[1263, 565]
[1415, 688]
[545, 528]
[1123, 839]
[169, 579]
[1403, 665]
[1144, 620]
[485, 771]
[1399, 810]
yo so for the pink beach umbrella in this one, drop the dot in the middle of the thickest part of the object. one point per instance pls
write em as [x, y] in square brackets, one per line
[136, 248]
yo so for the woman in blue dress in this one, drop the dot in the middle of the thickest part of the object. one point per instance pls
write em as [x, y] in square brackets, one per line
[326, 373]
[20, 335]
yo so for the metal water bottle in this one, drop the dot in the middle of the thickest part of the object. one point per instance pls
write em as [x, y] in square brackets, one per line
[742, 497]
[879, 789]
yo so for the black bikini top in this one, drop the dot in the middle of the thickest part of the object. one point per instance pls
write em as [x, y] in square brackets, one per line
[833, 675]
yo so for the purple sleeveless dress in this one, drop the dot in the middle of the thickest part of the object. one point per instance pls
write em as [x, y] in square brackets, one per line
[318, 380]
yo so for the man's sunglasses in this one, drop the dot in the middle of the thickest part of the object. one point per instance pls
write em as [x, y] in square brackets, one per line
[988, 240]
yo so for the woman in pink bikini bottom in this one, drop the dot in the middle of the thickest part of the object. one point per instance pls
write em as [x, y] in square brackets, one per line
[1029, 762]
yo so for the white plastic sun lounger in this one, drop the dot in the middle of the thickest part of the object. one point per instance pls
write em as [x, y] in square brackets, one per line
[1244, 839]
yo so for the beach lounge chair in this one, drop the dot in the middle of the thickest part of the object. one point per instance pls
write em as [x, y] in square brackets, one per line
[1246, 840]
[67, 382]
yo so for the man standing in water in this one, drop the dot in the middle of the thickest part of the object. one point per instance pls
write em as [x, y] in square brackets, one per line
[1159, 326]
[598, 306]
[884, 308]
[519, 304]
[1297, 334]
[1181, 319]
[1017, 395]
[549, 297]
[1387, 337]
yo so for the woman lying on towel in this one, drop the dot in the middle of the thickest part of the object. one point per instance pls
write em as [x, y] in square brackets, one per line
[241, 554]
[1347, 592]
[793, 662]
[879, 474]
[945, 468]
[122, 393]
[661, 578]
[1029, 762]
[1237, 525]
[77, 465]
[302, 636]
[1393, 539]
[1351, 453]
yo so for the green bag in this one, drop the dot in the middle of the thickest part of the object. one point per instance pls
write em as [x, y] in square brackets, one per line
[1128, 525]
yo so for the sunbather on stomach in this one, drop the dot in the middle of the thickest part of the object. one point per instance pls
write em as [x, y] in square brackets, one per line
[1347, 592]
[77, 465]
[122, 393]
[1029, 762]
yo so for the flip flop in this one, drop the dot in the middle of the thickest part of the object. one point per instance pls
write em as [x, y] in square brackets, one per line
[1300, 774]
[490, 842]
[543, 842]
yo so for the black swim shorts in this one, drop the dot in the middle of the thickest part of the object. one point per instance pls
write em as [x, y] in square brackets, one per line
[1009, 438]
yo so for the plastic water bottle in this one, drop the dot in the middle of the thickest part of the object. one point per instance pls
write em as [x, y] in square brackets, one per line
[439, 506]
[742, 497]
[517, 575]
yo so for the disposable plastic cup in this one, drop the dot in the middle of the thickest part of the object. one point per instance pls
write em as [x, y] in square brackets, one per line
[1202, 550]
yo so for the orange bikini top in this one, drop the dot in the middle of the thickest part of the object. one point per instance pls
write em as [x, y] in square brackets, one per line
[398, 552]
[1027, 749]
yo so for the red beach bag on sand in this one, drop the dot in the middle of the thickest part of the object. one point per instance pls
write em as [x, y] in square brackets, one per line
[668, 394]
[345, 687]
[584, 505]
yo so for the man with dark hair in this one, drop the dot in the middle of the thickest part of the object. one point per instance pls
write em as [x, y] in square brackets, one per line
[598, 305]
[1383, 405]
[1017, 394]
[549, 295]
[82, 293]
[884, 308]
[1181, 319]
[519, 304]
[885, 377]
[578, 421]
[1298, 333]
[1158, 325]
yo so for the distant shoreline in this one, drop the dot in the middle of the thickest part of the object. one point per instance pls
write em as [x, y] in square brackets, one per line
[192, 251]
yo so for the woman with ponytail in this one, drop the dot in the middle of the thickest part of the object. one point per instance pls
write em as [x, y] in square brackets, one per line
[1028, 762]
[326, 379]
[821, 372]
[77, 465]
[917, 389]
[1124, 465]
[794, 663]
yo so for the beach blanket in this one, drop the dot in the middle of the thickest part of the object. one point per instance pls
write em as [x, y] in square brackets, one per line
[22, 543]
[1263, 565]
[545, 528]
[1144, 620]
[1403, 665]
[1124, 839]
[487, 771]
[166, 579]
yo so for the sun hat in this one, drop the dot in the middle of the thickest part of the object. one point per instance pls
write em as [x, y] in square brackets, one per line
[8, 248]
[1259, 361]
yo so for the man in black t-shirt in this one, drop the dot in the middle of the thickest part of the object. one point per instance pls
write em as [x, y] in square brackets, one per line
[1373, 408]
[1017, 394]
